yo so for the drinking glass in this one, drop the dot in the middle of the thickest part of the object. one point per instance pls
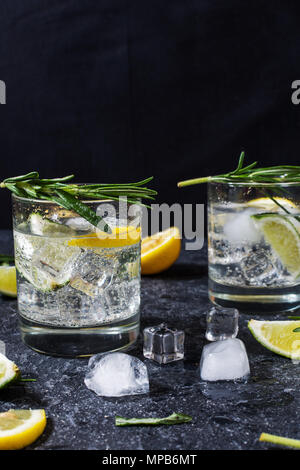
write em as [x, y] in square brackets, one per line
[78, 288]
[254, 245]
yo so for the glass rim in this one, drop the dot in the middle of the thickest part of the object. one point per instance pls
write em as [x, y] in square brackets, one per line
[255, 183]
[84, 201]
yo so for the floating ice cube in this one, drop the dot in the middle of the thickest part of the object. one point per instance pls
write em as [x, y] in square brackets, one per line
[93, 273]
[258, 268]
[221, 323]
[2, 348]
[224, 360]
[79, 223]
[116, 374]
[240, 228]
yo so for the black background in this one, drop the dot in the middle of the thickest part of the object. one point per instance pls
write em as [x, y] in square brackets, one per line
[115, 90]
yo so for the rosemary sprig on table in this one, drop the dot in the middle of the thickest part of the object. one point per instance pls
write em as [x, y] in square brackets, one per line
[174, 418]
[70, 196]
[251, 174]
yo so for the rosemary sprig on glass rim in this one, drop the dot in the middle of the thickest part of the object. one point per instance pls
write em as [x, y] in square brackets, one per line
[71, 196]
[251, 174]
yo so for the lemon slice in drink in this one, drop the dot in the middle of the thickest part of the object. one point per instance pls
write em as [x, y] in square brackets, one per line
[120, 236]
[267, 204]
[283, 234]
[160, 251]
[9, 371]
[19, 428]
[279, 337]
[8, 281]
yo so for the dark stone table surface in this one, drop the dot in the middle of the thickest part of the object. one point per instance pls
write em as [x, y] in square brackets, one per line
[227, 415]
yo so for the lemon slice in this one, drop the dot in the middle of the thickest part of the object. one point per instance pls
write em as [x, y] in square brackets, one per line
[8, 281]
[120, 236]
[267, 204]
[160, 251]
[278, 336]
[19, 428]
[283, 234]
[8, 371]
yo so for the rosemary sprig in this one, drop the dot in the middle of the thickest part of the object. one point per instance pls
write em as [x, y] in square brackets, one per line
[174, 418]
[70, 196]
[251, 174]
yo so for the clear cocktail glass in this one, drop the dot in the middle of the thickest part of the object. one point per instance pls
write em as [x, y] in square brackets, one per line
[254, 245]
[78, 287]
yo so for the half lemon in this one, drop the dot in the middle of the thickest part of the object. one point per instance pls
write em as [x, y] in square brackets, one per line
[160, 251]
[19, 428]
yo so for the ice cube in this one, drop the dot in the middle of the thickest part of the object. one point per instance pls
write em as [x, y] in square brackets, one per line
[116, 374]
[2, 348]
[96, 269]
[224, 360]
[93, 273]
[240, 228]
[221, 323]
[163, 344]
[79, 223]
[258, 268]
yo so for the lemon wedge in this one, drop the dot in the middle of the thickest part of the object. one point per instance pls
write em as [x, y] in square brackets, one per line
[9, 371]
[19, 428]
[8, 281]
[283, 234]
[280, 337]
[160, 251]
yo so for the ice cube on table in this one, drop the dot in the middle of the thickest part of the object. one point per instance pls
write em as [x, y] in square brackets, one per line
[163, 344]
[2, 348]
[221, 323]
[224, 360]
[241, 228]
[116, 374]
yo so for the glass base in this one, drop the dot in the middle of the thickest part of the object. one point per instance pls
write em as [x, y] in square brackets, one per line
[80, 342]
[259, 300]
